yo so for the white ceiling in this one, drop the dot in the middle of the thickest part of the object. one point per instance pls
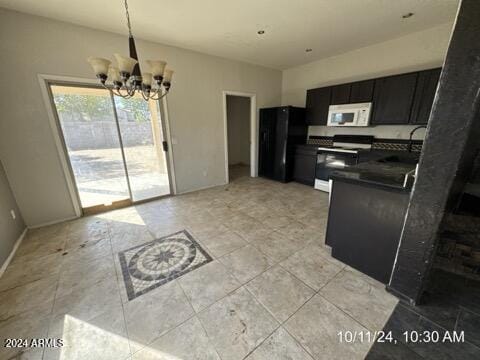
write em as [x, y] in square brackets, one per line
[228, 28]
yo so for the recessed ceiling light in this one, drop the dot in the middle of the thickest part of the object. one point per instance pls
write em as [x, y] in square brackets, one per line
[407, 15]
[308, 50]
[261, 32]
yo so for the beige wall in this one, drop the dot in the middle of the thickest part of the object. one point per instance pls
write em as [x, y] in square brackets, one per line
[238, 126]
[32, 45]
[10, 229]
[417, 51]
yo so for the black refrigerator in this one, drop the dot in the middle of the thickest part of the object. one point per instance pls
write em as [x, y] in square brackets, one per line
[281, 129]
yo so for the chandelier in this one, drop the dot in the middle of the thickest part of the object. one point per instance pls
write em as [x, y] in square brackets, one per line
[127, 79]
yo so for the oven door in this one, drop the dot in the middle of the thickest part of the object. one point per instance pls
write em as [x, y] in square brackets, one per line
[329, 161]
[343, 117]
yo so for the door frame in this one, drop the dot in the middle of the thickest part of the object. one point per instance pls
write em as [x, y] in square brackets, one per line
[45, 80]
[253, 130]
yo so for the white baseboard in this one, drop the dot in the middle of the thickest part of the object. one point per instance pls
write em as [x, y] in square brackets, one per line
[12, 253]
[53, 222]
[201, 188]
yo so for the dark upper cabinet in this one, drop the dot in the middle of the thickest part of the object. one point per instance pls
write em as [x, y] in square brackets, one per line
[399, 99]
[424, 95]
[393, 98]
[318, 101]
[340, 94]
[362, 91]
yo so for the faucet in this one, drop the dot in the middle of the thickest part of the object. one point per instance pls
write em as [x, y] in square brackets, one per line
[410, 141]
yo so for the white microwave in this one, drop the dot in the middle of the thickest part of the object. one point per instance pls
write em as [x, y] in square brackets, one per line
[349, 114]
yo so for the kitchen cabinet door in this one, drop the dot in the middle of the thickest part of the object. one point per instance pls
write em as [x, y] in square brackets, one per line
[304, 165]
[393, 99]
[340, 94]
[318, 101]
[424, 95]
[362, 91]
[361, 235]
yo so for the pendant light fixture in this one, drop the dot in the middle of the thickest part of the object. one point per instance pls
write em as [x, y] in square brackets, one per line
[126, 80]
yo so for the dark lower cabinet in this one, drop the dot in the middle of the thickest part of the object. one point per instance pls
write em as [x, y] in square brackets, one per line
[364, 226]
[281, 130]
[304, 165]
[424, 96]
[393, 99]
[317, 103]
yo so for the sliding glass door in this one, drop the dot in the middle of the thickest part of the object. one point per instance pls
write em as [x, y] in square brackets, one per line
[142, 135]
[114, 146]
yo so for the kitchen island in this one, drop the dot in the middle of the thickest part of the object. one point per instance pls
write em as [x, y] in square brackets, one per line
[368, 203]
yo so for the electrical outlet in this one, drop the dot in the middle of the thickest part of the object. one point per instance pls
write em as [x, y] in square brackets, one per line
[12, 212]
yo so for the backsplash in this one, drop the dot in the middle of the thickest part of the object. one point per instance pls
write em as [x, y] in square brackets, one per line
[396, 145]
[320, 140]
[378, 144]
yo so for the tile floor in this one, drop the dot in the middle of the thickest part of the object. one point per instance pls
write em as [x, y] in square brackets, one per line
[270, 291]
[155, 263]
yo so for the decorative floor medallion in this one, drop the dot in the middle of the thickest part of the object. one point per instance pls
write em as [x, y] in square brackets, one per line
[150, 265]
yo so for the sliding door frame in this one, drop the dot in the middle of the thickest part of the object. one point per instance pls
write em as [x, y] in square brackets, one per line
[45, 82]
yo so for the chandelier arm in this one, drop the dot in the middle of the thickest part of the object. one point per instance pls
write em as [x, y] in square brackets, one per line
[155, 98]
[130, 91]
[113, 91]
[118, 93]
[105, 86]
[157, 95]
[164, 94]
[145, 95]
[124, 95]
[127, 92]
[154, 94]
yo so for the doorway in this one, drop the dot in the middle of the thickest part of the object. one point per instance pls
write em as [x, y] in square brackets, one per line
[115, 147]
[240, 135]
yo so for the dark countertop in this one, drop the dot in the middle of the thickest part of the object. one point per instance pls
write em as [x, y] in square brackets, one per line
[308, 146]
[381, 168]
[388, 175]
